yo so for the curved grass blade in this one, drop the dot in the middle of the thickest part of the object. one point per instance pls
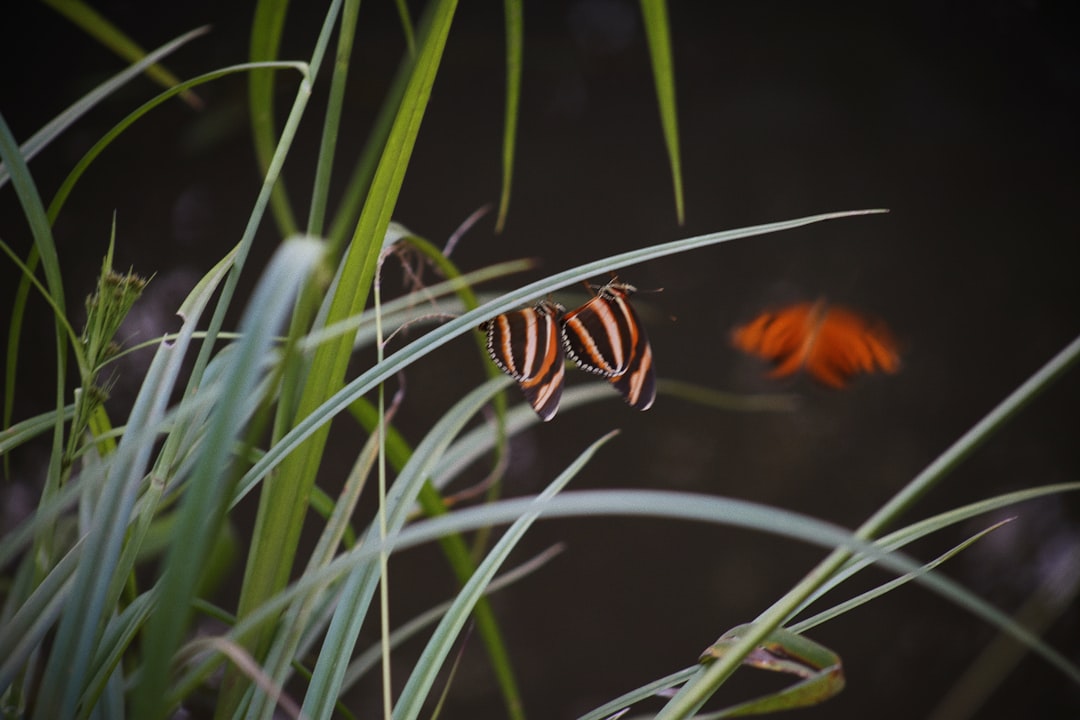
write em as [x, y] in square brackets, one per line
[332, 120]
[282, 506]
[442, 640]
[67, 669]
[115, 642]
[371, 657]
[297, 620]
[737, 513]
[360, 586]
[205, 499]
[865, 597]
[41, 230]
[266, 30]
[629, 503]
[658, 31]
[105, 32]
[26, 430]
[922, 528]
[73, 177]
[617, 707]
[24, 632]
[783, 651]
[515, 41]
[705, 683]
[52, 129]
[406, 27]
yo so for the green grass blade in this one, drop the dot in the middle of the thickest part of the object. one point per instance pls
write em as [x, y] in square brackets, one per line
[704, 684]
[658, 31]
[25, 631]
[371, 657]
[98, 27]
[37, 142]
[34, 212]
[44, 243]
[52, 129]
[515, 42]
[67, 670]
[645, 692]
[650, 690]
[258, 211]
[921, 529]
[426, 669]
[205, 499]
[266, 30]
[283, 504]
[358, 590]
[73, 177]
[332, 121]
[115, 642]
[101, 572]
[865, 597]
[406, 27]
[736, 513]
[26, 430]
[631, 503]
[356, 189]
[295, 623]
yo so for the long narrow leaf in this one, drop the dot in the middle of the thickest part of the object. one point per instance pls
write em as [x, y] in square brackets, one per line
[659, 34]
[360, 587]
[266, 30]
[865, 597]
[515, 41]
[24, 632]
[207, 492]
[97, 26]
[368, 659]
[705, 683]
[283, 504]
[52, 129]
[82, 622]
[332, 120]
[294, 624]
[442, 640]
[73, 177]
[36, 217]
[921, 529]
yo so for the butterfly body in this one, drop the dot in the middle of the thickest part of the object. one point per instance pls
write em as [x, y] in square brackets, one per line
[831, 343]
[604, 337]
[526, 345]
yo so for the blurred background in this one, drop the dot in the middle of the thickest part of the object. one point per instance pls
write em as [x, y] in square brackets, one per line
[961, 118]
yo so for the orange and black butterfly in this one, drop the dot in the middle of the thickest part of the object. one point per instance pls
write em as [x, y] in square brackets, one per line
[604, 337]
[525, 345]
[831, 343]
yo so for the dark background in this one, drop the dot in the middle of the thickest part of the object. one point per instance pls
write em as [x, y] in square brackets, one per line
[960, 117]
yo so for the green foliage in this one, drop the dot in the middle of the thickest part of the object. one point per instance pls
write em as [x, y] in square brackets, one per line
[84, 633]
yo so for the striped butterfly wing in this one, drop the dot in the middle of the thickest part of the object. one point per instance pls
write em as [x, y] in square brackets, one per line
[604, 337]
[525, 345]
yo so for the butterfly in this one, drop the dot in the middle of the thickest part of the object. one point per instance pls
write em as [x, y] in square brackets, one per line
[525, 344]
[830, 342]
[604, 337]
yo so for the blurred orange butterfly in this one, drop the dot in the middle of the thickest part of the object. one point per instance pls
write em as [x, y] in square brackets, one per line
[830, 342]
